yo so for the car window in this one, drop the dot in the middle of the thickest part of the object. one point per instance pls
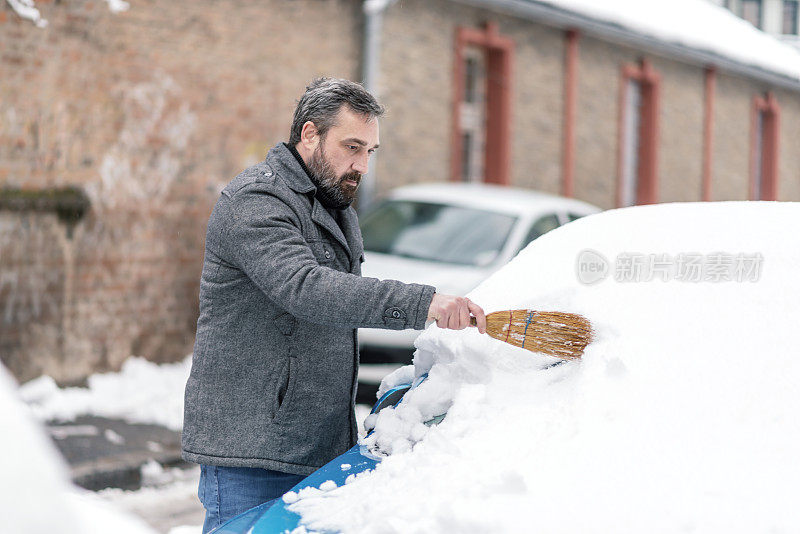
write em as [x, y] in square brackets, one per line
[436, 232]
[540, 227]
[573, 217]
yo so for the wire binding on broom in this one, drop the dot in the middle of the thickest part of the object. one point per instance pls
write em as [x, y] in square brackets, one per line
[559, 334]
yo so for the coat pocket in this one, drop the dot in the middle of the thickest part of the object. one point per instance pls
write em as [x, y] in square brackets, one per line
[285, 388]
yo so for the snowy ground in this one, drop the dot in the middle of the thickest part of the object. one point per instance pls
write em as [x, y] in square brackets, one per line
[167, 501]
[142, 392]
[36, 496]
[681, 417]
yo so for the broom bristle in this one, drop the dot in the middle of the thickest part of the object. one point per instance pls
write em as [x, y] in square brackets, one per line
[559, 334]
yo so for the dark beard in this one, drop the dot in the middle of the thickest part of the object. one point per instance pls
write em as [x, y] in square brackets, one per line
[331, 189]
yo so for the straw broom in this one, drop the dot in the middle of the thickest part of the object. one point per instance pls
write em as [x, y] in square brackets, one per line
[559, 334]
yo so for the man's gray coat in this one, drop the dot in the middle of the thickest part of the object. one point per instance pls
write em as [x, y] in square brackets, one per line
[276, 356]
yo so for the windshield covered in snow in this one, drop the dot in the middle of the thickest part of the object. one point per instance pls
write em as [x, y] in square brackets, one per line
[436, 232]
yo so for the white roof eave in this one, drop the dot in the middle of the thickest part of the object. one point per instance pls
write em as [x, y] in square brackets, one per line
[616, 33]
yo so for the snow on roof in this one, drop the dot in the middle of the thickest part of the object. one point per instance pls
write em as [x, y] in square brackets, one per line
[694, 23]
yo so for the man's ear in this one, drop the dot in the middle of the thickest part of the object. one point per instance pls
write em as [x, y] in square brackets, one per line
[309, 136]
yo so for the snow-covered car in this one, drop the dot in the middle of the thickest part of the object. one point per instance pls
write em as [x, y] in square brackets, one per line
[451, 236]
[682, 414]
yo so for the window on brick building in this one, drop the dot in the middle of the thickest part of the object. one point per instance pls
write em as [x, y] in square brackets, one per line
[638, 135]
[630, 142]
[789, 17]
[481, 106]
[473, 115]
[764, 148]
[751, 12]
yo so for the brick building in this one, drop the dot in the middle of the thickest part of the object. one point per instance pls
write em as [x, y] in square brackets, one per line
[117, 131]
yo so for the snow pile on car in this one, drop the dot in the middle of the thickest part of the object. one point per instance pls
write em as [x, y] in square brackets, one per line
[681, 416]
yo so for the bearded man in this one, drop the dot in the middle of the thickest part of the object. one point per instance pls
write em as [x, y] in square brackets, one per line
[272, 388]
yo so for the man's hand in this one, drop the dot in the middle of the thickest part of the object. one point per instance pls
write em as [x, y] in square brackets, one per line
[454, 312]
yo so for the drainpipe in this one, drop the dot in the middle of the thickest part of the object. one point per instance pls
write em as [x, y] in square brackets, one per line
[373, 23]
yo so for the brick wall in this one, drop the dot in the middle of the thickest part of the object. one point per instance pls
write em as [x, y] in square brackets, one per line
[151, 112]
[538, 106]
[789, 169]
[599, 71]
[731, 172]
[680, 162]
[32, 290]
[416, 87]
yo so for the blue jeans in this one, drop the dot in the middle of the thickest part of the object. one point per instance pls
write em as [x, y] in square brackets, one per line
[228, 491]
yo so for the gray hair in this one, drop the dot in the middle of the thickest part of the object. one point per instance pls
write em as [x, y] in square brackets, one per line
[323, 99]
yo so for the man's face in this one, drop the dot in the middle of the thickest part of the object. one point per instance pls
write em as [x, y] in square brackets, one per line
[342, 156]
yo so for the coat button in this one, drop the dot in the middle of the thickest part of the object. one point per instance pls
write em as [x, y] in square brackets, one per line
[394, 317]
[327, 255]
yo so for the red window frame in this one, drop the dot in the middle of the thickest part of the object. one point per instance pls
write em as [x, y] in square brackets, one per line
[708, 130]
[570, 111]
[499, 52]
[647, 168]
[766, 106]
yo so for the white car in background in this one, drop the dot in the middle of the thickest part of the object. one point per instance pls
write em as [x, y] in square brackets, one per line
[451, 236]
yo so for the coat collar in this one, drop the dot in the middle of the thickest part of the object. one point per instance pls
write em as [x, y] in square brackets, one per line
[348, 234]
[285, 165]
[283, 162]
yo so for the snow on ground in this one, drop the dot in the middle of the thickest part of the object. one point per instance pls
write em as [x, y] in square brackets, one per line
[167, 500]
[695, 23]
[142, 392]
[36, 496]
[682, 415]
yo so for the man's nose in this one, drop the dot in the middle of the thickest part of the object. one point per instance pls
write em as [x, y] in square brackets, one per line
[361, 164]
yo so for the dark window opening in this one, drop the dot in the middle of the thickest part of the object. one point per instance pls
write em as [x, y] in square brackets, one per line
[638, 135]
[751, 12]
[789, 17]
[539, 228]
[472, 74]
[466, 156]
